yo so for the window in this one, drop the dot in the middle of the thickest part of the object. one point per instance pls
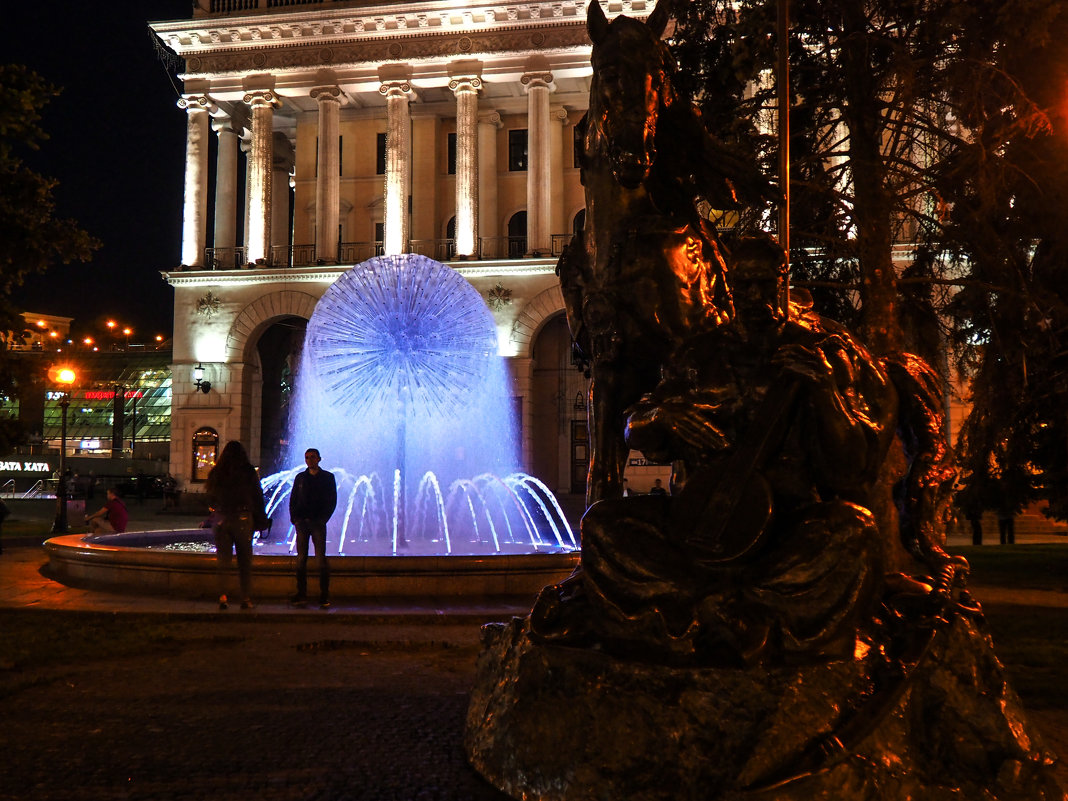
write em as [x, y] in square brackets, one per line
[576, 154]
[205, 452]
[450, 147]
[380, 155]
[517, 150]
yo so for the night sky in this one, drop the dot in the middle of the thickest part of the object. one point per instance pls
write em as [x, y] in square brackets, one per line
[117, 148]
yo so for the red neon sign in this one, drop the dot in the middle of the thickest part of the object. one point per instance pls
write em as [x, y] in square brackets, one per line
[103, 394]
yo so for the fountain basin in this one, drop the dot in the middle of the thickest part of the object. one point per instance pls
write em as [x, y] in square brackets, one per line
[127, 562]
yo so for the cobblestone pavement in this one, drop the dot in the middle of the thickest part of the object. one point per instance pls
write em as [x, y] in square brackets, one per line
[253, 708]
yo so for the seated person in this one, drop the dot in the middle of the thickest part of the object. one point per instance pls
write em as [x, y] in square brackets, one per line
[110, 518]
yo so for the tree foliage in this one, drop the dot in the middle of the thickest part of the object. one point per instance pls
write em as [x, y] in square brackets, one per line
[32, 238]
[928, 173]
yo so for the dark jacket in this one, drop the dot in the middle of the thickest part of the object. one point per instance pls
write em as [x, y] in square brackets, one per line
[240, 492]
[314, 497]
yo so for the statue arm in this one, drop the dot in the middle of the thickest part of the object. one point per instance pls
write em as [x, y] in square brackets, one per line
[573, 269]
[838, 434]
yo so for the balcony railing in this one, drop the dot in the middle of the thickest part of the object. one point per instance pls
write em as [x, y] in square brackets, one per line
[238, 6]
[444, 250]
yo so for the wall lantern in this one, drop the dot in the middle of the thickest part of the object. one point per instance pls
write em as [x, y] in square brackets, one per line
[198, 379]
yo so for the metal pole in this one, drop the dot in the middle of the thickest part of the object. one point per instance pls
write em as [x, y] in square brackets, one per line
[59, 526]
[782, 90]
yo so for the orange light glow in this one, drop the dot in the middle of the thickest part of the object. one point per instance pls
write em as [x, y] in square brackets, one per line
[41, 324]
[127, 331]
[88, 341]
[62, 374]
[111, 323]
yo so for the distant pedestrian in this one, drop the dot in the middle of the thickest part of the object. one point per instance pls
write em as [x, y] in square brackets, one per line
[1007, 524]
[658, 488]
[236, 497]
[311, 503]
[141, 484]
[110, 518]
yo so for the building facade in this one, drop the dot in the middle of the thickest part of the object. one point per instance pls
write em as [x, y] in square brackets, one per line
[320, 134]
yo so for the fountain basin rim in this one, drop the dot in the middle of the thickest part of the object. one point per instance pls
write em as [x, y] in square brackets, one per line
[78, 559]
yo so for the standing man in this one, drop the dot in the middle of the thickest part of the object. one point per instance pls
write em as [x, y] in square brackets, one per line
[311, 504]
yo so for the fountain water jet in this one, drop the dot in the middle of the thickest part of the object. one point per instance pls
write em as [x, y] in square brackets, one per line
[400, 379]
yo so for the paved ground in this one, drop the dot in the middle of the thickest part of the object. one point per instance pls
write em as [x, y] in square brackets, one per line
[358, 703]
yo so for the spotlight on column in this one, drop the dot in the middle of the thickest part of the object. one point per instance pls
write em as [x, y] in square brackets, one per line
[198, 379]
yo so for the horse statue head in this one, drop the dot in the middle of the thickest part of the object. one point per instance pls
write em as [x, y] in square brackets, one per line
[632, 73]
[650, 136]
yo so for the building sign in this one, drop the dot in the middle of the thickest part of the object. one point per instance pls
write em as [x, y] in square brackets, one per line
[97, 394]
[24, 467]
[94, 394]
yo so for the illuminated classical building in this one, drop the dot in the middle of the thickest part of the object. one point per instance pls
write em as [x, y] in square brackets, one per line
[320, 134]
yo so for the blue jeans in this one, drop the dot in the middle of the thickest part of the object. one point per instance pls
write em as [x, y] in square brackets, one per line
[316, 532]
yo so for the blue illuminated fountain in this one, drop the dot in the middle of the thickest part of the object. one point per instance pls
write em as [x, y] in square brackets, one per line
[401, 388]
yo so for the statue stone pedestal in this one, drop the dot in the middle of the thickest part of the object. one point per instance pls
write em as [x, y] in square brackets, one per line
[561, 723]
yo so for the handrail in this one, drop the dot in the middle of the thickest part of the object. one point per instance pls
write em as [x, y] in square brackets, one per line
[35, 490]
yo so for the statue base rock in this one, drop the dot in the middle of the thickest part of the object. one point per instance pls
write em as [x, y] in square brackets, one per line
[560, 723]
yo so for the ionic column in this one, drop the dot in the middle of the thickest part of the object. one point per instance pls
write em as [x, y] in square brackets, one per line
[327, 181]
[466, 90]
[539, 172]
[225, 191]
[194, 208]
[398, 125]
[489, 123]
[282, 165]
[258, 235]
[557, 124]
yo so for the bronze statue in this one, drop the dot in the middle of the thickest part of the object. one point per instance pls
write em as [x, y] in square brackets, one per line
[778, 427]
[647, 271]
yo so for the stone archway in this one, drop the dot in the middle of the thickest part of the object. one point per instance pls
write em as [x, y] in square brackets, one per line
[534, 315]
[259, 410]
[258, 314]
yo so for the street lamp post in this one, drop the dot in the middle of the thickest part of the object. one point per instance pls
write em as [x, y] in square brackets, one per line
[65, 377]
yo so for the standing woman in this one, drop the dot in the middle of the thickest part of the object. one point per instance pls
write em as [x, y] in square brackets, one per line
[236, 498]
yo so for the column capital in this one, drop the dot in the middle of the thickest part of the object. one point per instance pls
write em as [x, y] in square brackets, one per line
[491, 118]
[224, 123]
[262, 97]
[396, 89]
[534, 80]
[326, 94]
[558, 114]
[198, 103]
[465, 83]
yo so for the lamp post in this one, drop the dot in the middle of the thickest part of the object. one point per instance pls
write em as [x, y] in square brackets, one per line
[65, 377]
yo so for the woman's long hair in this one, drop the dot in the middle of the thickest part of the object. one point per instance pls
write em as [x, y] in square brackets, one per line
[232, 465]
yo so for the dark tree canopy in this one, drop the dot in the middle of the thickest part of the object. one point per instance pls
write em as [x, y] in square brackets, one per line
[928, 180]
[31, 237]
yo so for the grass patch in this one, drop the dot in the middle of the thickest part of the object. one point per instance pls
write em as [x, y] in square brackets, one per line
[1032, 643]
[1031, 567]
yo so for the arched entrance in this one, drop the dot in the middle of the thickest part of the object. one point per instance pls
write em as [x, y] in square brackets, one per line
[517, 235]
[560, 449]
[279, 349]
